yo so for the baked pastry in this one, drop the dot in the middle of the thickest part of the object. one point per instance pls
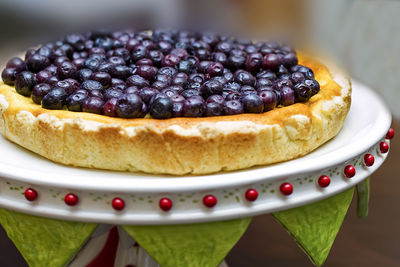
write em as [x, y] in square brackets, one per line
[156, 136]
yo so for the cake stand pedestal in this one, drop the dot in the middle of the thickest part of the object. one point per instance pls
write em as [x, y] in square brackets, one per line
[120, 198]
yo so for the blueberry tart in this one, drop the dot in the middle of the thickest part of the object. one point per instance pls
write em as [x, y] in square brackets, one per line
[169, 101]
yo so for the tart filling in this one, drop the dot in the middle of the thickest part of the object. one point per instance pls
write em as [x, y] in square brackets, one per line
[161, 74]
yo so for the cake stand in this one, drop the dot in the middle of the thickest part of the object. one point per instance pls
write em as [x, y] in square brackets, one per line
[120, 198]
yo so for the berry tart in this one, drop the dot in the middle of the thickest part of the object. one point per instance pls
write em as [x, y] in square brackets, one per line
[172, 102]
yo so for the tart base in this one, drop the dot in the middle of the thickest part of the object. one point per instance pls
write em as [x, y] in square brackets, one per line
[180, 145]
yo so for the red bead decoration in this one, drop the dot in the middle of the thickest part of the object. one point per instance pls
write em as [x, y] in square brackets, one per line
[390, 134]
[349, 171]
[324, 181]
[118, 203]
[210, 201]
[165, 204]
[384, 147]
[286, 189]
[251, 195]
[71, 199]
[31, 194]
[369, 160]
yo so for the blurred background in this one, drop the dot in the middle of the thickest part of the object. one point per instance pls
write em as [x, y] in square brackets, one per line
[363, 36]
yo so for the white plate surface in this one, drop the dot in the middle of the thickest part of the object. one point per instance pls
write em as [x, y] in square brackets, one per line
[365, 126]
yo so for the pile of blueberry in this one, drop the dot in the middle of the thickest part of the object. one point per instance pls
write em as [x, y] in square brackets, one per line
[166, 73]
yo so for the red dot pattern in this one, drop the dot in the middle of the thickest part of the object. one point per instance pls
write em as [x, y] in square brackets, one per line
[286, 189]
[210, 201]
[349, 171]
[31, 194]
[369, 160]
[390, 134]
[71, 199]
[118, 203]
[324, 181]
[165, 204]
[384, 147]
[251, 195]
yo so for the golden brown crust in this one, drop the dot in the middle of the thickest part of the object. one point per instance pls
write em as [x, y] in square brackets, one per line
[180, 145]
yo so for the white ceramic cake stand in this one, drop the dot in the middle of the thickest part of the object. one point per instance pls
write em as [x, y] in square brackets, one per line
[365, 127]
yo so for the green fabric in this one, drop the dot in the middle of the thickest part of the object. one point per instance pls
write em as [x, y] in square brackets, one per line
[43, 241]
[189, 245]
[363, 198]
[315, 226]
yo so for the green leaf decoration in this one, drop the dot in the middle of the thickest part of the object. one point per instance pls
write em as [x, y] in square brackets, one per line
[315, 226]
[189, 245]
[363, 198]
[43, 241]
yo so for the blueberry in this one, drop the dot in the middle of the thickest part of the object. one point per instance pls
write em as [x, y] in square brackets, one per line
[253, 62]
[46, 52]
[29, 53]
[146, 71]
[93, 105]
[236, 62]
[130, 90]
[287, 96]
[169, 71]
[297, 77]
[289, 59]
[84, 74]
[121, 72]
[214, 109]
[177, 98]
[96, 93]
[180, 79]
[66, 70]
[278, 84]
[138, 81]
[144, 61]
[232, 86]
[54, 99]
[78, 63]
[161, 108]
[244, 78]
[267, 74]
[109, 108]
[37, 63]
[59, 60]
[159, 85]
[17, 64]
[169, 92]
[252, 103]
[190, 92]
[233, 107]
[228, 96]
[308, 73]
[91, 85]
[92, 63]
[9, 75]
[129, 106]
[24, 83]
[211, 87]
[102, 77]
[112, 93]
[220, 57]
[138, 52]
[313, 84]
[105, 67]
[303, 92]
[215, 99]
[271, 61]
[179, 89]
[52, 69]
[197, 77]
[215, 69]
[156, 57]
[186, 66]
[117, 61]
[170, 60]
[203, 54]
[224, 47]
[69, 88]
[246, 89]
[39, 91]
[74, 101]
[123, 53]
[177, 109]
[194, 107]
[263, 82]
[269, 99]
